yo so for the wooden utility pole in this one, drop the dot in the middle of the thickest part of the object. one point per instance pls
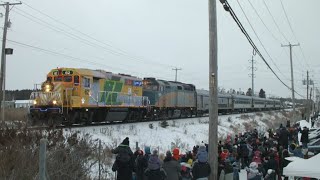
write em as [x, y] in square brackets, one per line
[307, 115]
[213, 91]
[3, 56]
[252, 75]
[292, 81]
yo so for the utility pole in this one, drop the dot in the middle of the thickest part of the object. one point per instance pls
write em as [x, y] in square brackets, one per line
[313, 98]
[252, 75]
[213, 91]
[307, 85]
[176, 69]
[307, 96]
[292, 81]
[3, 55]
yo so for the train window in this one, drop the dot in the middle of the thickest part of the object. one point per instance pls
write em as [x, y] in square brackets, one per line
[49, 79]
[67, 78]
[76, 80]
[86, 82]
[168, 87]
[179, 88]
[58, 78]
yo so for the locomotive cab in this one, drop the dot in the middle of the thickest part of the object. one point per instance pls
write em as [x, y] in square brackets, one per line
[52, 98]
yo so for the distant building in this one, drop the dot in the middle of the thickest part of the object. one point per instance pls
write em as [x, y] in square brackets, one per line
[22, 103]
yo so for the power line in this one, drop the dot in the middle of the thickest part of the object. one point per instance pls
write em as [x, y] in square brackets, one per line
[294, 35]
[72, 58]
[83, 40]
[274, 37]
[274, 21]
[260, 40]
[228, 8]
[285, 12]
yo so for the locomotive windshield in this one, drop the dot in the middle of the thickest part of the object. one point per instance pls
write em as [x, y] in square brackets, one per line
[67, 78]
[62, 78]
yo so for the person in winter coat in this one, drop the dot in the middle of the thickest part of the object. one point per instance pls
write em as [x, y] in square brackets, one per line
[304, 137]
[142, 164]
[172, 167]
[236, 170]
[272, 164]
[139, 161]
[124, 162]
[224, 154]
[244, 154]
[271, 175]
[227, 171]
[284, 162]
[201, 168]
[186, 170]
[253, 172]
[295, 150]
[154, 170]
[284, 137]
[202, 154]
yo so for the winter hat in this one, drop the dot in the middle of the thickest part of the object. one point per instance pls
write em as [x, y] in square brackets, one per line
[202, 155]
[155, 152]
[154, 162]
[125, 141]
[270, 171]
[140, 152]
[224, 154]
[175, 153]
[168, 154]
[147, 150]
[190, 161]
[253, 165]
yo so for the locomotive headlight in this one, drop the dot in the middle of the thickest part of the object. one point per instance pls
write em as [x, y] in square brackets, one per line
[54, 102]
[48, 88]
[34, 102]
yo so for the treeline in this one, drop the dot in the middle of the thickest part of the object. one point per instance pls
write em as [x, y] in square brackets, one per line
[23, 94]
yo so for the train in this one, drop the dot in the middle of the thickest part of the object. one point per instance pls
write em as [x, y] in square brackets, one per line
[79, 95]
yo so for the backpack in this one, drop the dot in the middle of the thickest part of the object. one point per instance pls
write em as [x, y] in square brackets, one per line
[123, 156]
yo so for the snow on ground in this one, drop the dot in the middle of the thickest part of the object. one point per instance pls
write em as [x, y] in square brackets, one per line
[182, 133]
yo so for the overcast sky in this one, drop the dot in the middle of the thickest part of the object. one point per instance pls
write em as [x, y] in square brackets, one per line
[147, 38]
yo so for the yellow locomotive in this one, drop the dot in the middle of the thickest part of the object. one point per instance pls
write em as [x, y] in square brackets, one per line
[75, 95]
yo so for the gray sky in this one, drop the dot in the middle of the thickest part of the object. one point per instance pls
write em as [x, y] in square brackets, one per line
[148, 38]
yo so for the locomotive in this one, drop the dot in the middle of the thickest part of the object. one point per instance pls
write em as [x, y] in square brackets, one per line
[77, 95]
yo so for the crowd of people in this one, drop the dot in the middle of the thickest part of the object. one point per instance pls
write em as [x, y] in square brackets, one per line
[261, 155]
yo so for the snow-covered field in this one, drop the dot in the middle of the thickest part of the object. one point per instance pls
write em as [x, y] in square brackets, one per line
[182, 133]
